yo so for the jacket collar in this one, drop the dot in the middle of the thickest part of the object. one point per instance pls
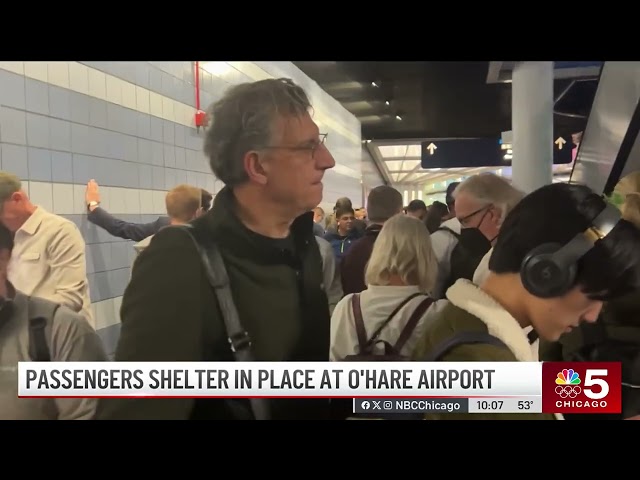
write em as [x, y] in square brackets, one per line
[30, 227]
[224, 225]
[373, 229]
[499, 322]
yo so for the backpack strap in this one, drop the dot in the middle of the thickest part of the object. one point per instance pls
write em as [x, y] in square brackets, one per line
[462, 338]
[412, 323]
[361, 331]
[447, 229]
[239, 339]
[41, 314]
[376, 334]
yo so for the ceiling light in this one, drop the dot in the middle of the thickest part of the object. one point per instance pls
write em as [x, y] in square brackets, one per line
[387, 103]
[216, 68]
[374, 84]
[398, 117]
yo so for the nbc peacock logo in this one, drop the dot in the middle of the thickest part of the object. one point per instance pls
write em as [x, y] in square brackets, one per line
[568, 384]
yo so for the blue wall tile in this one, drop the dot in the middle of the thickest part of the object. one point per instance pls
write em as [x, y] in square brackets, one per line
[13, 126]
[49, 133]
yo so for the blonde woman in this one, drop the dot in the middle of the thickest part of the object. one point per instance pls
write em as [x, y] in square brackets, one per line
[400, 275]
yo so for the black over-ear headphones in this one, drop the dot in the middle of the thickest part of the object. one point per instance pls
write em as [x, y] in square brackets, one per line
[549, 270]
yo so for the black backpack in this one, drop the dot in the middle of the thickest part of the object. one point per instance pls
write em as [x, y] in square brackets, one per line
[598, 346]
[463, 261]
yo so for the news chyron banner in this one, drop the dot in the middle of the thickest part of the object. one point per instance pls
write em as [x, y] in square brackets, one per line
[375, 387]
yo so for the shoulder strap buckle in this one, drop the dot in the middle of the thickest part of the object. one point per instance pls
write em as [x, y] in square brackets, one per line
[239, 341]
[238, 337]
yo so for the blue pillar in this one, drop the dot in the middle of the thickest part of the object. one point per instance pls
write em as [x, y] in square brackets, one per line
[532, 125]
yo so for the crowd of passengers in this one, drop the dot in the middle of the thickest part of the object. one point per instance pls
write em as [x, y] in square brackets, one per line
[302, 283]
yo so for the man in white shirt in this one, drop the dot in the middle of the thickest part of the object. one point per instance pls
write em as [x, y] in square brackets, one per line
[444, 240]
[48, 259]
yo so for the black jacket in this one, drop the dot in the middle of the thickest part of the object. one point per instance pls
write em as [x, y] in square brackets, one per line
[170, 313]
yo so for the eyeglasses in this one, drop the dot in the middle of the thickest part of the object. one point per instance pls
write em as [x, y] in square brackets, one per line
[466, 218]
[311, 147]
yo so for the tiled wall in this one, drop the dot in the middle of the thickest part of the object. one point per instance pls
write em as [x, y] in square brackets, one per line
[129, 125]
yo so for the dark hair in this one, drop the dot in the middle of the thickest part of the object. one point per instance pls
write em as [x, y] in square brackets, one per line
[207, 198]
[342, 202]
[449, 195]
[556, 213]
[415, 205]
[343, 211]
[436, 211]
[383, 203]
[6, 238]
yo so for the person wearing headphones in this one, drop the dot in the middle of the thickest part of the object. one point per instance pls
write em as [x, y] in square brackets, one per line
[562, 251]
[615, 337]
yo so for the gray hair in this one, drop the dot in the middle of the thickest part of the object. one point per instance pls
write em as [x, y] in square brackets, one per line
[403, 248]
[242, 120]
[9, 184]
[490, 189]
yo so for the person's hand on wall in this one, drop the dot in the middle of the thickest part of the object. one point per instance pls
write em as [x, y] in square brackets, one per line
[92, 195]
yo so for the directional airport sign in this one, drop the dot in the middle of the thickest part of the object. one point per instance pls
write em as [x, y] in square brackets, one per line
[483, 152]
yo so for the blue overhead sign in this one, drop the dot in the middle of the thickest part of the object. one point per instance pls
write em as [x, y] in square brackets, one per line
[482, 152]
[558, 65]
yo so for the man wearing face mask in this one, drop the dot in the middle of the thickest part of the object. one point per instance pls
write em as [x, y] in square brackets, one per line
[481, 204]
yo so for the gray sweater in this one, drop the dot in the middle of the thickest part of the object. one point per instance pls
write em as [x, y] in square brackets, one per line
[71, 339]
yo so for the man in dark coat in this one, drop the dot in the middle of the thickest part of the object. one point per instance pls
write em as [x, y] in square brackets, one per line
[265, 147]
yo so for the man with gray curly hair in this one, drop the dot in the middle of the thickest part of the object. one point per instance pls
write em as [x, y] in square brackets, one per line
[264, 145]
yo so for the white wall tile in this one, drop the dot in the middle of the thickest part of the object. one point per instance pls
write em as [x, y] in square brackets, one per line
[97, 84]
[105, 198]
[128, 95]
[142, 100]
[15, 67]
[63, 203]
[79, 203]
[155, 104]
[146, 202]
[117, 202]
[168, 112]
[41, 193]
[117, 304]
[114, 89]
[105, 314]
[79, 78]
[210, 184]
[131, 201]
[37, 71]
[58, 74]
[159, 205]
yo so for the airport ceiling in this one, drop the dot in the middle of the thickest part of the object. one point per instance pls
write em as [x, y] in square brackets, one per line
[401, 103]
